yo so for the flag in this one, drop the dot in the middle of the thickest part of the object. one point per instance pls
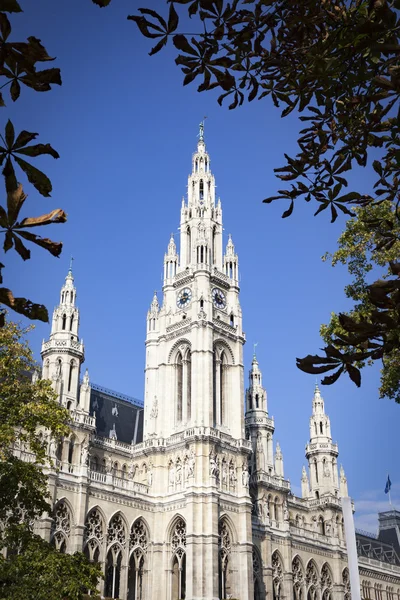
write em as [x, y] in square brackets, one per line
[388, 485]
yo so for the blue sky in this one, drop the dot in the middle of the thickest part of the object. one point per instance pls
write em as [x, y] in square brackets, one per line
[125, 129]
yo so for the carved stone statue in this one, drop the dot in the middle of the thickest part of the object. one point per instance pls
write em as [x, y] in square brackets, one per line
[213, 465]
[150, 475]
[52, 447]
[224, 473]
[84, 452]
[172, 474]
[285, 511]
[245, 475]
[132, 471]
[154, 409]
[190, 464]
[260, 452]
[232, 475]
[178, 473]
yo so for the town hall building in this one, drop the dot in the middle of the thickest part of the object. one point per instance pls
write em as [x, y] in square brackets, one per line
[184, 496]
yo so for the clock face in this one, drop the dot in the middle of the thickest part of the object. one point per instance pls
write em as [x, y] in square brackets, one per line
[218, 298]
[184, 297]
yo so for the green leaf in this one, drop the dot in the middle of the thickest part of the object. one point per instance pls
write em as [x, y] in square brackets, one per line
[8, 241]
[15, 201]
[37, 150]
[5, 26]
[9, 175]
[41, 182]
[2, 103]
[54, 248]
[15, 90]
[23, 306]
[180, 42]
[173, 19]
[289, 211]
[349, 197]
[22, 250]
[24, 138]
[354, 374]
[10, 6]
[10, 134]
[158, 46]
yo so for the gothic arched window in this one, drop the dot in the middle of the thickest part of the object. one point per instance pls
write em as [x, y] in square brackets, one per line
[179, 383]
[201, 189]
[71, 368]
[178, 547]
[61, 529]
[71, 322]
[225, 549]
[71, 449]
[138, 552]
[64, 321]
[257, 576]
[326, 582]
[188, 367]
[116, 541]
[94, 535]
[298, 579]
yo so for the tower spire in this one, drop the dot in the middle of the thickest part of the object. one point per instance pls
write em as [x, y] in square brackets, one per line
[63, 353]
[321, 452]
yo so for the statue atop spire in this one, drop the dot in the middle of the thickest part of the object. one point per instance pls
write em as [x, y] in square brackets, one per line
[201, 130]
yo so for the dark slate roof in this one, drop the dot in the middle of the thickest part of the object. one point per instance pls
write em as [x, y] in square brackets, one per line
[389, 528]
[117, 412]
[370, 546]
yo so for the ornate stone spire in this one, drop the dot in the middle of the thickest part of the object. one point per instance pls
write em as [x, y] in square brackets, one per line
[305, 486]
[278, 461]
[321, 452]
[343, 483]
[63, 353]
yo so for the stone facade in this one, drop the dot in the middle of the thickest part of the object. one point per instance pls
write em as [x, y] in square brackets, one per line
[200, 508]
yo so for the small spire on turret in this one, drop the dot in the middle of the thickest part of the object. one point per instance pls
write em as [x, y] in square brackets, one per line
[343, 483]
[305, 486]
[278, 461]
[230, 248]
[155, 306]
[86, 380]
[171, 246]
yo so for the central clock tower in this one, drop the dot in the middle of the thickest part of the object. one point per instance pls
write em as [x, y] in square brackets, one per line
[194, 342]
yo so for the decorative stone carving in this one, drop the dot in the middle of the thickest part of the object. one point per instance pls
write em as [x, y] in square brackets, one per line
[285, 511]
[84, 452]
[150, 474]
[311, 574]
[61, 525]
[297, 569]
[232, 475]
[214, 468]
[245, 474]
[154, 408]
[191, 461]
[178, 541]
[116, 531]
[225, 546]
[138, 538]
[257, 567]
[94, 527]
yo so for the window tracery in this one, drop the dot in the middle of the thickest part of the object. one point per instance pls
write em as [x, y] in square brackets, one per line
[178, 540]
[116, 531]
[61, 526]
[138, 538]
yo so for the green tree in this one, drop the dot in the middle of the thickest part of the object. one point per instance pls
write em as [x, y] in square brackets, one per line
[336, 62]
[26, 407]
